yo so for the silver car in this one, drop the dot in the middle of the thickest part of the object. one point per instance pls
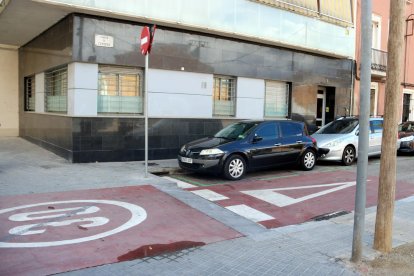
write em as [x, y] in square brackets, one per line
[338, 140]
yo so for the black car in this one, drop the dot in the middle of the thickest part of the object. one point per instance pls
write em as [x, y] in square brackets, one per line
[250, 145]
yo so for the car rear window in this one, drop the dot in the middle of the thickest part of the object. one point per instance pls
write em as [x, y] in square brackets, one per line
[291, 129]
[339, 127]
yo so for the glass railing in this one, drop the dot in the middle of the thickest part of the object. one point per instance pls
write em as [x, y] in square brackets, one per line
[237, 17]
[379, 60]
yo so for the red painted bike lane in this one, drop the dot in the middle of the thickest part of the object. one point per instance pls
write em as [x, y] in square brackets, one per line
[297, 199]
[57, 232]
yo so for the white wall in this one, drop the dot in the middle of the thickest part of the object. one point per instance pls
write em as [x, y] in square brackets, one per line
[250, 98]
[179, 94]
[172, 94]
[9, 91]
[82, 89]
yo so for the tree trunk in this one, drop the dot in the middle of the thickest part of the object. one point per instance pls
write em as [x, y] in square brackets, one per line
[386, 190]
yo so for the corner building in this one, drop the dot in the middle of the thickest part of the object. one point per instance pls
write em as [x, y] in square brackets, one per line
[81, 79]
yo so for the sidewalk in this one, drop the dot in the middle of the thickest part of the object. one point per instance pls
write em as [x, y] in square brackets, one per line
[313, 248]
[26, 168]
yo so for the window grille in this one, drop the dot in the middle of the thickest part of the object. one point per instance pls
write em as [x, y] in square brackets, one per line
[224, 96]
[56, 90]
[276, 99]
[120, 90]
[29, 93]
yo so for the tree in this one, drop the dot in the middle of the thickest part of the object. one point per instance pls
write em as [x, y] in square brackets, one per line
[388, 166]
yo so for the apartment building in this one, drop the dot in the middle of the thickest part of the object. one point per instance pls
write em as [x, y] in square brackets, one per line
[380, 32]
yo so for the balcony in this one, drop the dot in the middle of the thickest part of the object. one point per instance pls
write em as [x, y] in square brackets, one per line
[378, 63]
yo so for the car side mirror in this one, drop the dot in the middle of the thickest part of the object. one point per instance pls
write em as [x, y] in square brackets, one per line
[257, 138]
[357, 133]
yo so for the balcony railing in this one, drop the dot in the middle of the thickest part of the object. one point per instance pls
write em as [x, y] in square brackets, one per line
[379, 60]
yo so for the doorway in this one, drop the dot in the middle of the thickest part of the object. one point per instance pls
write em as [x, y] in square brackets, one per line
[325, 106]
[320, 107]
[408, 105]
[373, 99]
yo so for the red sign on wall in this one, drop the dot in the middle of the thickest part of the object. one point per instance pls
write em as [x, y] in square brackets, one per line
[147, 36]
[145, 40]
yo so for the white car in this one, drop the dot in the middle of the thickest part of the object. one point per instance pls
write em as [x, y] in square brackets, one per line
[338, 140]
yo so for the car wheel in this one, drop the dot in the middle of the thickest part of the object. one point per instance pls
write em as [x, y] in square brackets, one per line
[348, 157]
[308, 160]
[234, 167]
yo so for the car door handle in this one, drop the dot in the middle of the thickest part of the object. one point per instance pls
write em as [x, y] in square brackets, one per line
[278, 144]
[298, 142]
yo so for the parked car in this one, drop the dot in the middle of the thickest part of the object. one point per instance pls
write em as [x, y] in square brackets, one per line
[338, 140]
[406, 137]
[250, 145]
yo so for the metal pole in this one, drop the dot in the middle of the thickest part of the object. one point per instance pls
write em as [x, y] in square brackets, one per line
[360, 197]
[146, 114]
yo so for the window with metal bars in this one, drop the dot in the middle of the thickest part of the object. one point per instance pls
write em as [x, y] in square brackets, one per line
[29, 93]
[224, 96]
[276, 99]
[120, 90]
[56, 90]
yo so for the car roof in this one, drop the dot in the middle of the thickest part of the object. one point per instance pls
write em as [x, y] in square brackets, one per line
[266, 121]
[357, 118]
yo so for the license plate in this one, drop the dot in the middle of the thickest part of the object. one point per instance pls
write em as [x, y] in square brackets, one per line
[186, 160]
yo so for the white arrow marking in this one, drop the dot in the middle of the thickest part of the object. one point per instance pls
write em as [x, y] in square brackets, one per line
[272, 197]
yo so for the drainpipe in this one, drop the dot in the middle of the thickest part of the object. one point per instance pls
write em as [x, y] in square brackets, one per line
[406, 42]
[351, 96]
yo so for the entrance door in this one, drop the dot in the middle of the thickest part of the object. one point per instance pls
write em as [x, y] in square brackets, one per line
[407, 107]
[320, 107]
[373, 99]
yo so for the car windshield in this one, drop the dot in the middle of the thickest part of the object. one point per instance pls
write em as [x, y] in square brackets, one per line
[236, 131]
[339, 127]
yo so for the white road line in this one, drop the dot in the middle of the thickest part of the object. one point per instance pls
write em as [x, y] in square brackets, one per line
[249, 213]
[210, 195]
[280, 200]
[180, 184]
